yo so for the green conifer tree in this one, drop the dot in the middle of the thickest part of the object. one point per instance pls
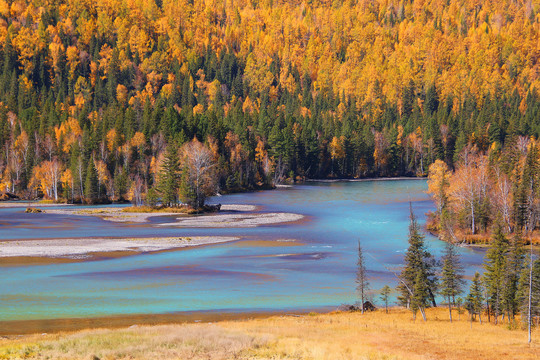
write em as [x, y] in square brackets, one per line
[91, 184]
[419, 265]
[495, 265]
[475, 300]
[452, 276]
[169, 177]
[385, 293]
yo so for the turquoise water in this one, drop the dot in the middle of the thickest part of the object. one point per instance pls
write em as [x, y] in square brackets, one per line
[316, 270]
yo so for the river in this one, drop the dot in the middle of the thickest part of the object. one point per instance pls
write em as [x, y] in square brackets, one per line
[309, 264]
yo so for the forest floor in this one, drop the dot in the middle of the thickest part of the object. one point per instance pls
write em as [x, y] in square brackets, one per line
[375, 335]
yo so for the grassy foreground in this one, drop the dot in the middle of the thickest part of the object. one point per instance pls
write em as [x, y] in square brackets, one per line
[332, 336]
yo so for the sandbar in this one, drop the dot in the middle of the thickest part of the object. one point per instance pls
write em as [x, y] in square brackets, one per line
[118, 215]
[81, 248]
[234, 220]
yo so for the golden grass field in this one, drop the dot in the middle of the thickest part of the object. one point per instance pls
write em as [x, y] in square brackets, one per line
[327, 336]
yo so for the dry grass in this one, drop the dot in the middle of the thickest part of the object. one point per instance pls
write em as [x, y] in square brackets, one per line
[202, 341]
[331, 336]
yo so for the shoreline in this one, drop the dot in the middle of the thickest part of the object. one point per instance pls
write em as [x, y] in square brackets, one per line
[23, 204]
[40, 326]
[368, 179]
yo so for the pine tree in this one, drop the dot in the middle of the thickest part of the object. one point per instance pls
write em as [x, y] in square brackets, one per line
[529, 292]
[452, 276]
[420, 297]
[169, 177]
[362, 283]
[514, 267]
[495, 265]
[385, 292]
[91, 184]
[475, 300]
[419, 266]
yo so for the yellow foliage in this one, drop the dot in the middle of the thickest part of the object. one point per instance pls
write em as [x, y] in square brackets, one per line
[138, 139]
[67, 133]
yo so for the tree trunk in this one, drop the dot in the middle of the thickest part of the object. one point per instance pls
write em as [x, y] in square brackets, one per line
[529, 320]
[472, 219]
[450, 308]
[423, 312]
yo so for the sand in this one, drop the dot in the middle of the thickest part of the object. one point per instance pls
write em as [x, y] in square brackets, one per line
[117, 215]
[80, 248]
[230, 216]
[234, 220]
[34, 204]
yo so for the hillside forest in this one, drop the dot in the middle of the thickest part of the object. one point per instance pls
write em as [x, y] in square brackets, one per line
[109, 100]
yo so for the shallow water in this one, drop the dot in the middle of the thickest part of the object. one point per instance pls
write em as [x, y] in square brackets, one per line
[308, 264]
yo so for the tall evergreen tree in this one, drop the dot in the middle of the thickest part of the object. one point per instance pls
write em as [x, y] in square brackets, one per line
[495, 265]
[362, 283]
[529, 292]
[452, 276]
[475, 300]
[385, 292]
[91, 184]
[514, 267]
[169, 177]
[419, 265]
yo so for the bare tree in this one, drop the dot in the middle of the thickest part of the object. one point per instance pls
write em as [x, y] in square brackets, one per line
[198, 180]
[362, 283]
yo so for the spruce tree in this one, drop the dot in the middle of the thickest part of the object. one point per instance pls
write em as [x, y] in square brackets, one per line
[475, 300]
[91, 183]
[495, 265]
[514, 266]
[362, 283]
[385, 292]
[169, 177]
[529, 292]
[452, 276]
[419, 266]
[420, 297]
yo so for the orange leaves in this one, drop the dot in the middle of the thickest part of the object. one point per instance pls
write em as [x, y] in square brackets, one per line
[67, 133]
[257, 72]
[121, 94]
[45, 177]
[28, 44]
[337, 148]
[138, 140]
[438, 182]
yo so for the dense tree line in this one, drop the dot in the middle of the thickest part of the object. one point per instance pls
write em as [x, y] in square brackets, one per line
[93, 92]
[499, 186]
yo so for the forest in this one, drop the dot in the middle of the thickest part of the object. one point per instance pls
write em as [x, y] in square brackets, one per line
[95, 94]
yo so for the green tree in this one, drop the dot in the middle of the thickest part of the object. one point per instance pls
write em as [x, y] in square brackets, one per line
[385, 292]
[514, 267]
[495, 266]
[475, 299]
[419, 264]
[169, 177]
[452, 282]
[91, 184]
[529, 292]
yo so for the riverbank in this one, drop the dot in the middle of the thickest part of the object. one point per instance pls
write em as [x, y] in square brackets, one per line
[368, 179]
[300, 336]
[88, 248]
